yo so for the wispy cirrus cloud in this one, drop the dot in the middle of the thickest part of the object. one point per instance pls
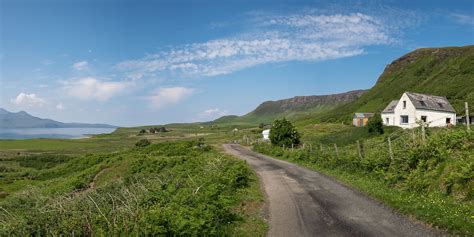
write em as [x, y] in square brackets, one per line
[91, 88]
[462, 19]
[31, 100]
[169, 96]
[81, 66]
[211, 113]
[298, 37]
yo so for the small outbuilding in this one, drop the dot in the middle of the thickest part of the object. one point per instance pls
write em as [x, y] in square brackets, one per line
[266, 134]
[361, 119]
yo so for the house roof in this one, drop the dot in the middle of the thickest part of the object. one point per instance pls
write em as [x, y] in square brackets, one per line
[390, 107]
[363, 115]
[430, 102]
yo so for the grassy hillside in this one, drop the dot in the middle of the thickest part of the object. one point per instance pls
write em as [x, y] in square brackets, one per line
[439, 71]
[298, 107]
[179, 185]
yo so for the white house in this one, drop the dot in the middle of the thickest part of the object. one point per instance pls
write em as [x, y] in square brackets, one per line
[436, 111]
[266, 134]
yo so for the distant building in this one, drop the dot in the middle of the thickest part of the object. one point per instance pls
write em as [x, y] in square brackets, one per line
[462, 119]
[361, 119]
[266, 134]
[436, 111]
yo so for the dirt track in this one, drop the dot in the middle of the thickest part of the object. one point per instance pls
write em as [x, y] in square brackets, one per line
[302, 202]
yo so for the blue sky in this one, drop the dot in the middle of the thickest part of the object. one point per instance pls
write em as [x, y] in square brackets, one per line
[153, 62]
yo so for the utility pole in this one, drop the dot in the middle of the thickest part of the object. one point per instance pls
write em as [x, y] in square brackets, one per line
[467, 116]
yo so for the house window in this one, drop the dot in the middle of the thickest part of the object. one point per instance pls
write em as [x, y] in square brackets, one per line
[423, 118]
[404, 104]
[422, 103]
[386, 121]
[404, 119]
[448, 120]
[441, 105]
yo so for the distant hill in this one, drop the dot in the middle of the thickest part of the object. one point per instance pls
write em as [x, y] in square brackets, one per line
[296, 107]
[24, 120]
[445, 72]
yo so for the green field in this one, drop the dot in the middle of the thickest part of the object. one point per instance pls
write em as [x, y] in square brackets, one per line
[179, 185]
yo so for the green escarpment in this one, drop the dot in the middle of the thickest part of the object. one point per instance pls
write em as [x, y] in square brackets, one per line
[298, 107]
[445, 72]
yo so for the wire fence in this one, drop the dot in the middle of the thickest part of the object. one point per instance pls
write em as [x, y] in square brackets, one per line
[382, 150]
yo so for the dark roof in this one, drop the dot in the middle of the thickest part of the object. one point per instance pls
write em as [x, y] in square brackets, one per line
[430, 102]
[363, 115]
[390, 107]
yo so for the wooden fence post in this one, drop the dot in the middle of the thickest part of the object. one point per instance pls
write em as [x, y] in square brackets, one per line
[468, 121]
[291, 146]
[337, 151]
[321, 147]
[390, 148]
[423, 133]
[358, 150]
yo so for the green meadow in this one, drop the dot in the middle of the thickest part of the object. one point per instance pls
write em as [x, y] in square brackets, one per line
[179, 185]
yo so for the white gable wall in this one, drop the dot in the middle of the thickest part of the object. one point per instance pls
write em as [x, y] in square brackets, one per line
[434, 118]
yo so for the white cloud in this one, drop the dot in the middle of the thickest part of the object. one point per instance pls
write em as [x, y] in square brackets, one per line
[81, 66]
[31, 100]
[60, 106]
[211, 113]
[463, 19]
[90, 88]
[47, 62]
[168, 96]
[299, 37]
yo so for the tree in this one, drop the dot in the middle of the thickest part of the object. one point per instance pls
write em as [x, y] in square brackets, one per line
[375, 124]
[143, 131]
[284, 133]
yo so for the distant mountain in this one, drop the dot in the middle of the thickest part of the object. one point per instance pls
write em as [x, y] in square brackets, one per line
[24, 120]
[296, 107]
[445, 72]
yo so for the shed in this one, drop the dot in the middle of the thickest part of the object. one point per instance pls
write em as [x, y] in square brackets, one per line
[266, 134]
[361, 119]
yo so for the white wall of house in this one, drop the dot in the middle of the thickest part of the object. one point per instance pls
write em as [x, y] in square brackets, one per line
[433, 118]
[266, 134]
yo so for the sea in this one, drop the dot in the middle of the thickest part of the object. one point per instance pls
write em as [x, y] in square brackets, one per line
[29, 133]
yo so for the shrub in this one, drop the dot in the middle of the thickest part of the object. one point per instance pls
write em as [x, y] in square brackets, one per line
[284, 133]
[375, 124]
[143, 143]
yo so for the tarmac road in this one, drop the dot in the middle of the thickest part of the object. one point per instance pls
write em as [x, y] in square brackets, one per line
[302, 202]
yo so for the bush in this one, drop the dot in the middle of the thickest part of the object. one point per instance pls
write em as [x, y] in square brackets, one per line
[143, 143]
[375, 124]
[284, 133]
